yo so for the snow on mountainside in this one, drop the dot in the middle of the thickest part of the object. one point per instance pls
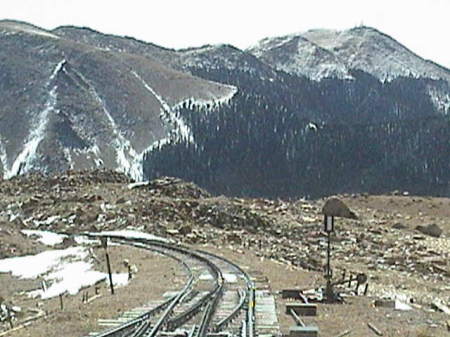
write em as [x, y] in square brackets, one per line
[297, 55]
[69, 104]
[324, 53]
[74, 98]
[378, 54]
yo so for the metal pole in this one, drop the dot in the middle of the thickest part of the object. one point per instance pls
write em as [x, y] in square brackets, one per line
[109, 272]
[329, 256]
[329, 291]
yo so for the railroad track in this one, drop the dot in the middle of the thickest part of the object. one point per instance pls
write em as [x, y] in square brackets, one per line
[218, 297]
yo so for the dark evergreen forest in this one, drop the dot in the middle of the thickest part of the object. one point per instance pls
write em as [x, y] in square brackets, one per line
[289, 137]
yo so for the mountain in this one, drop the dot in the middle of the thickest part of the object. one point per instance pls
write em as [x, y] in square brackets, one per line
[310, 114]
[315, 124]
[361, 48]
[72, 104]
[299, 56]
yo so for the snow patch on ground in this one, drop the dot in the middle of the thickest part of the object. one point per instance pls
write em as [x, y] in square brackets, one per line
[64, 271]
[131, 234]
[45, 237]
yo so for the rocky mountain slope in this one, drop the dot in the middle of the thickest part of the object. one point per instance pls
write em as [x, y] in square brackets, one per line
[308, 114]
[68, 104]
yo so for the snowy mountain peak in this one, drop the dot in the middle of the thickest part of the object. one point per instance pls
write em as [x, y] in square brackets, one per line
[322, 53]
[14, 27]
[366, 48]
[223, 56]
[295, 54]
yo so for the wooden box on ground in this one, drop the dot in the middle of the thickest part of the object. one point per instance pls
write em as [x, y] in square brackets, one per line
[291, 293]
[302, 309]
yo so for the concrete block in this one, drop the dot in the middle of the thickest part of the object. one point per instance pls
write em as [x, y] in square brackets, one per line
[291, 293]
[302, 309]
[303, 331]
[385, 303]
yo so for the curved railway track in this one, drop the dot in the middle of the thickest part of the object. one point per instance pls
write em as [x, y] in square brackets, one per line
[218, 297]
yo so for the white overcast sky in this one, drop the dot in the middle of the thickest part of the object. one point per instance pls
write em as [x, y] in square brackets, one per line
[421, 25]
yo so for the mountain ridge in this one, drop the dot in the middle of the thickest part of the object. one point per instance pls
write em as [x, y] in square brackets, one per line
[84, 84]
[231, 120]
[335, 42]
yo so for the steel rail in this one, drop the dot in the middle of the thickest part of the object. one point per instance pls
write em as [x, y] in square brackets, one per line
[224, 322]
[141, 322]
[210, 299]
[249, 298]
[141, 325]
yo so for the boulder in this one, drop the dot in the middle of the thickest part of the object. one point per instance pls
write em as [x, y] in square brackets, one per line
[431, 230]
[336, 207]
[399, 225]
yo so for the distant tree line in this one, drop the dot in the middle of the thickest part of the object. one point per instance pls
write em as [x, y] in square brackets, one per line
[290, 137]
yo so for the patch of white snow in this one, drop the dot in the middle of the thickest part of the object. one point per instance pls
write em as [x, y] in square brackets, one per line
[66, 271]
[3, 156]
[131, 234]
[46, 237]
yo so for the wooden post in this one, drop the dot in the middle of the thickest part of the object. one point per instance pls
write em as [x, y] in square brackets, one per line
[9, 317]
[61, 304]
[130, 273]
[366, 288]
[104, 242]
[357, 287]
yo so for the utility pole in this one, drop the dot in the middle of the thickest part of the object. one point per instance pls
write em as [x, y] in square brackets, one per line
[104, 241]
[333, 207]
[328, 223]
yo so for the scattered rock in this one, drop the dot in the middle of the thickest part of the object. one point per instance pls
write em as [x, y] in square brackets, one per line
[438, 305]
[176, 188]
[399, 225]
[385, 303]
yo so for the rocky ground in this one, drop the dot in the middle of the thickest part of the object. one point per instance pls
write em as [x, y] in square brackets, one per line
[400, 242]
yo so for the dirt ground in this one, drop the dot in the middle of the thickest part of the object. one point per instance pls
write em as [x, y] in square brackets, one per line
[279, 241]
[333, 319]
[156, 275]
